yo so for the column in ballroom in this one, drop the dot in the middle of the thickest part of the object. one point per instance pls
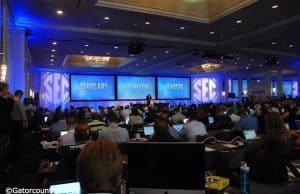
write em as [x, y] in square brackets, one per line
[16, 56]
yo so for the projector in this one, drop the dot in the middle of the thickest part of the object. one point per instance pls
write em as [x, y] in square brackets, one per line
[135, 48]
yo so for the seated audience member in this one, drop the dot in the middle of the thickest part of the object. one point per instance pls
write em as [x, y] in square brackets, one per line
[270, 163]
[234, 117]
[58, 125]
[193, 128]
[125, 112]
[68, 139]
[94, 123]
[289, 116]
[177, 117]
[161, 131]
[151, 116]
[113, 132]
[222, 120]
[135, 118]
[66, 169]
[247, 121]
[99, 167]
[82, 134]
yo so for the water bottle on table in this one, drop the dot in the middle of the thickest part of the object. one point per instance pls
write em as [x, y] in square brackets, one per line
[244, 178]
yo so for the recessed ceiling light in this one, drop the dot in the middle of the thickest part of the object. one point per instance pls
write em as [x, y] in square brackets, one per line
[274, 43]
[234, 70]
[59, 12]
[154, 56]
[258, 80]
[107, 18]
[81, 52]
[86, 45]
[54, 43]
[237, 58]
[51, 64]
[260, 65]
[145, 60]
[51, 60]
[291, 45]
[249, 64]
[116, 47]
[167, 51]
[147, 23]
[247, 67]
[136, 64]
[212, 33]
[53, 50]
[182, 28]
[1, 53]
[132, 55]
[239, 21]
[235, 63]
[107, 53]
[52, 56]
[275, 6]
[252, 59]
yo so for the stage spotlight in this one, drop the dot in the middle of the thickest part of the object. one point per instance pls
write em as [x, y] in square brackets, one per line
[135, 48]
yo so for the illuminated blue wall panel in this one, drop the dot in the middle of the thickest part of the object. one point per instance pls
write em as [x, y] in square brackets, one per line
[173, 88]
[206, 89]
[92, 87]
[135, 87]
[54, 90]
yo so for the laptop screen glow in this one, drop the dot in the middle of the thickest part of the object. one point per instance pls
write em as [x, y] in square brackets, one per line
[178, 127]
[148, 130]
[72, 188]
[63, 133]
[249, 134]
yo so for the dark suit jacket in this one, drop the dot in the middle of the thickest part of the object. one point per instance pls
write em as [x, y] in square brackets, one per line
[6, 107]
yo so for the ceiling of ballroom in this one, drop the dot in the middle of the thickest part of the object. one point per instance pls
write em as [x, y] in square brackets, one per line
[177, 35]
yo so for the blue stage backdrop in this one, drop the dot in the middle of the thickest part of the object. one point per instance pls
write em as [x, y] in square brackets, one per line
[135, 87]
[173, 88]
[92, 87]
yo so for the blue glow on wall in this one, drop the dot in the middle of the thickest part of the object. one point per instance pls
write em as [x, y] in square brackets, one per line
[173, 88]
[287, 88]
[135, 87]
[92, 87]
[235, 87]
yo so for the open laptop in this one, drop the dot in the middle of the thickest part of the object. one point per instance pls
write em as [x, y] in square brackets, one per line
[178, 127]
[250, 135]
[148, 130]
[211, 120]
[63, 133]
[69, 187]
[185, 120]
[126, 120]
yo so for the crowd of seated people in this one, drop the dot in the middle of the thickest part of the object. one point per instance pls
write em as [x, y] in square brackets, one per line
[268, 118]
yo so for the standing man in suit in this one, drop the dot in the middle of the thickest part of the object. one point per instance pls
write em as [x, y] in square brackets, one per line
[148, 98]
[6, 107]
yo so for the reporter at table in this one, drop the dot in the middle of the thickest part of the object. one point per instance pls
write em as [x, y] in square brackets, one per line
[270, 163]
[99, 167]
